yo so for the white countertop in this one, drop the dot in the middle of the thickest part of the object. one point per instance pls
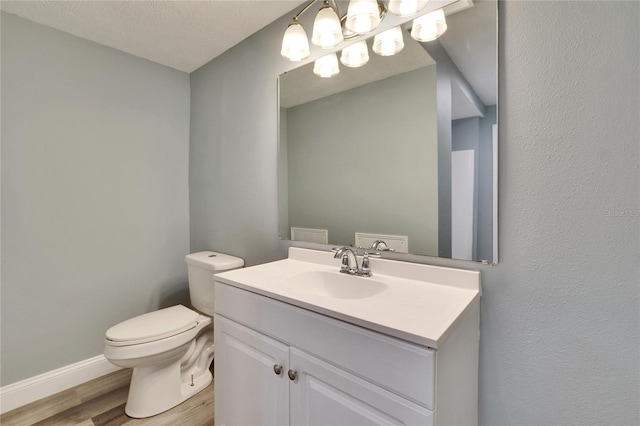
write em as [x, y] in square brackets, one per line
[421, 304]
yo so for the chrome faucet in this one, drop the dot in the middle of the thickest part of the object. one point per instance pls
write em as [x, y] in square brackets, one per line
[349, 262]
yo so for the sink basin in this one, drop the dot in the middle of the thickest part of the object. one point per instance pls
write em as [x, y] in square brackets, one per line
[335, 284]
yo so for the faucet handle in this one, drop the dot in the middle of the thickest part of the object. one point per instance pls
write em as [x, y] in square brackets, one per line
[365, 269]
[344, 264]
[342, 253]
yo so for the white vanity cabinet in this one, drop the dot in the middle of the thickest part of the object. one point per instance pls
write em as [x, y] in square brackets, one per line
[264, 382]
[280, 364]
[250, 384]
[323, 394]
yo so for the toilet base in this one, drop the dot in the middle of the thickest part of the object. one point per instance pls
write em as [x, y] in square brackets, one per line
[159, 387]
[153, 392]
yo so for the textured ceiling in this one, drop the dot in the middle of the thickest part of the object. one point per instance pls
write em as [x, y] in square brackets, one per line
[180, 34]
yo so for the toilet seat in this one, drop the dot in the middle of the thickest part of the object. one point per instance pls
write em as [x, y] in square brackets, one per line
[153, 326]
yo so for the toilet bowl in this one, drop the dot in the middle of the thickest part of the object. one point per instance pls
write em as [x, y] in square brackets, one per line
[170, 350]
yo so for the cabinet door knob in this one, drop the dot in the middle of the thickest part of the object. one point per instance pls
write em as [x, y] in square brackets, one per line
[277, 369]
[292, 375]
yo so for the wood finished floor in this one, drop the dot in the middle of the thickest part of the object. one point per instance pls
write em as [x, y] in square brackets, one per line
[101, 402]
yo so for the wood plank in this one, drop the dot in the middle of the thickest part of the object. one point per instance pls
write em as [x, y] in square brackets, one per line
[41, 409]
[87, 410]
[105, 384]
[113, 417]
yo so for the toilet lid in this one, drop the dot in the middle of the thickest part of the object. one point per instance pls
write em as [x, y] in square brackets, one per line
[154, 325]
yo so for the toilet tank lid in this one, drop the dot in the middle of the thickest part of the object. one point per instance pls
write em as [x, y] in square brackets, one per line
[154, 325]
[214, 261]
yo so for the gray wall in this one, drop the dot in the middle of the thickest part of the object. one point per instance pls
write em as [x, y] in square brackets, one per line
[445, 69]
[284, 230]
[94, 194]
[233, 170]
[560, 341]
[465, 135]
[374, 167]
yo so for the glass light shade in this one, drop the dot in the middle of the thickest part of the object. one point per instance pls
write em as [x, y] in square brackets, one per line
[327, 66]
[406, 7]
[356, 55]
[295, 45]
[363, 16]
[327, 31]
[429, 27]
[389, 42]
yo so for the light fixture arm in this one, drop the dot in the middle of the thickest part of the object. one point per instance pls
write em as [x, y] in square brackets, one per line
[304, 9]
[312, 2]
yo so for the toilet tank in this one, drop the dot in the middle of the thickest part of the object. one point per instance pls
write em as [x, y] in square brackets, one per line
[201, 267]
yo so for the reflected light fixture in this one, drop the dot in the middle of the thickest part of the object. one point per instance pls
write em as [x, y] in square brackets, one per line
[406, 7]
[429, 27]
[356, 55]
[389, 42]
[327, 66]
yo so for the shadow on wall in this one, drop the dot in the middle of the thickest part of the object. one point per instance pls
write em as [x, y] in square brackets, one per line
[169, 294]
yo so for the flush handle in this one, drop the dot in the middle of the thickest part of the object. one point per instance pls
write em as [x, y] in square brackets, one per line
[277, 369]
[293, 375]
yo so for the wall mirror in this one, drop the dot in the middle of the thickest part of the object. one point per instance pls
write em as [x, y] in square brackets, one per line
[402, 149]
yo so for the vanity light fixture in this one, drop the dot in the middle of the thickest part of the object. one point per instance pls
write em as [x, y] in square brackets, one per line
[355, 55]
[363, 16]
[389, 42]
[295, 45]
[327, 30]
[429, 27]
[327, 66]
[406, 7]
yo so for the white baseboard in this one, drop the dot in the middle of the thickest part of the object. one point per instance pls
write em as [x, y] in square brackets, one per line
[21, 393]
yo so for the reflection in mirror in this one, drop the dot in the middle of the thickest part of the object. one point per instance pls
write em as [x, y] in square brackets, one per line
[401, 150]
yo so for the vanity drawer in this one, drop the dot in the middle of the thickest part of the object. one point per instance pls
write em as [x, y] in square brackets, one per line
[401, 367]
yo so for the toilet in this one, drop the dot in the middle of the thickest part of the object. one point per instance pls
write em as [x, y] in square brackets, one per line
[170, 350]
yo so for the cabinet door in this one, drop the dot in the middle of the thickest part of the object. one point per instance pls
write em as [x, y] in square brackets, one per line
[326, 395]
[248, 390]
